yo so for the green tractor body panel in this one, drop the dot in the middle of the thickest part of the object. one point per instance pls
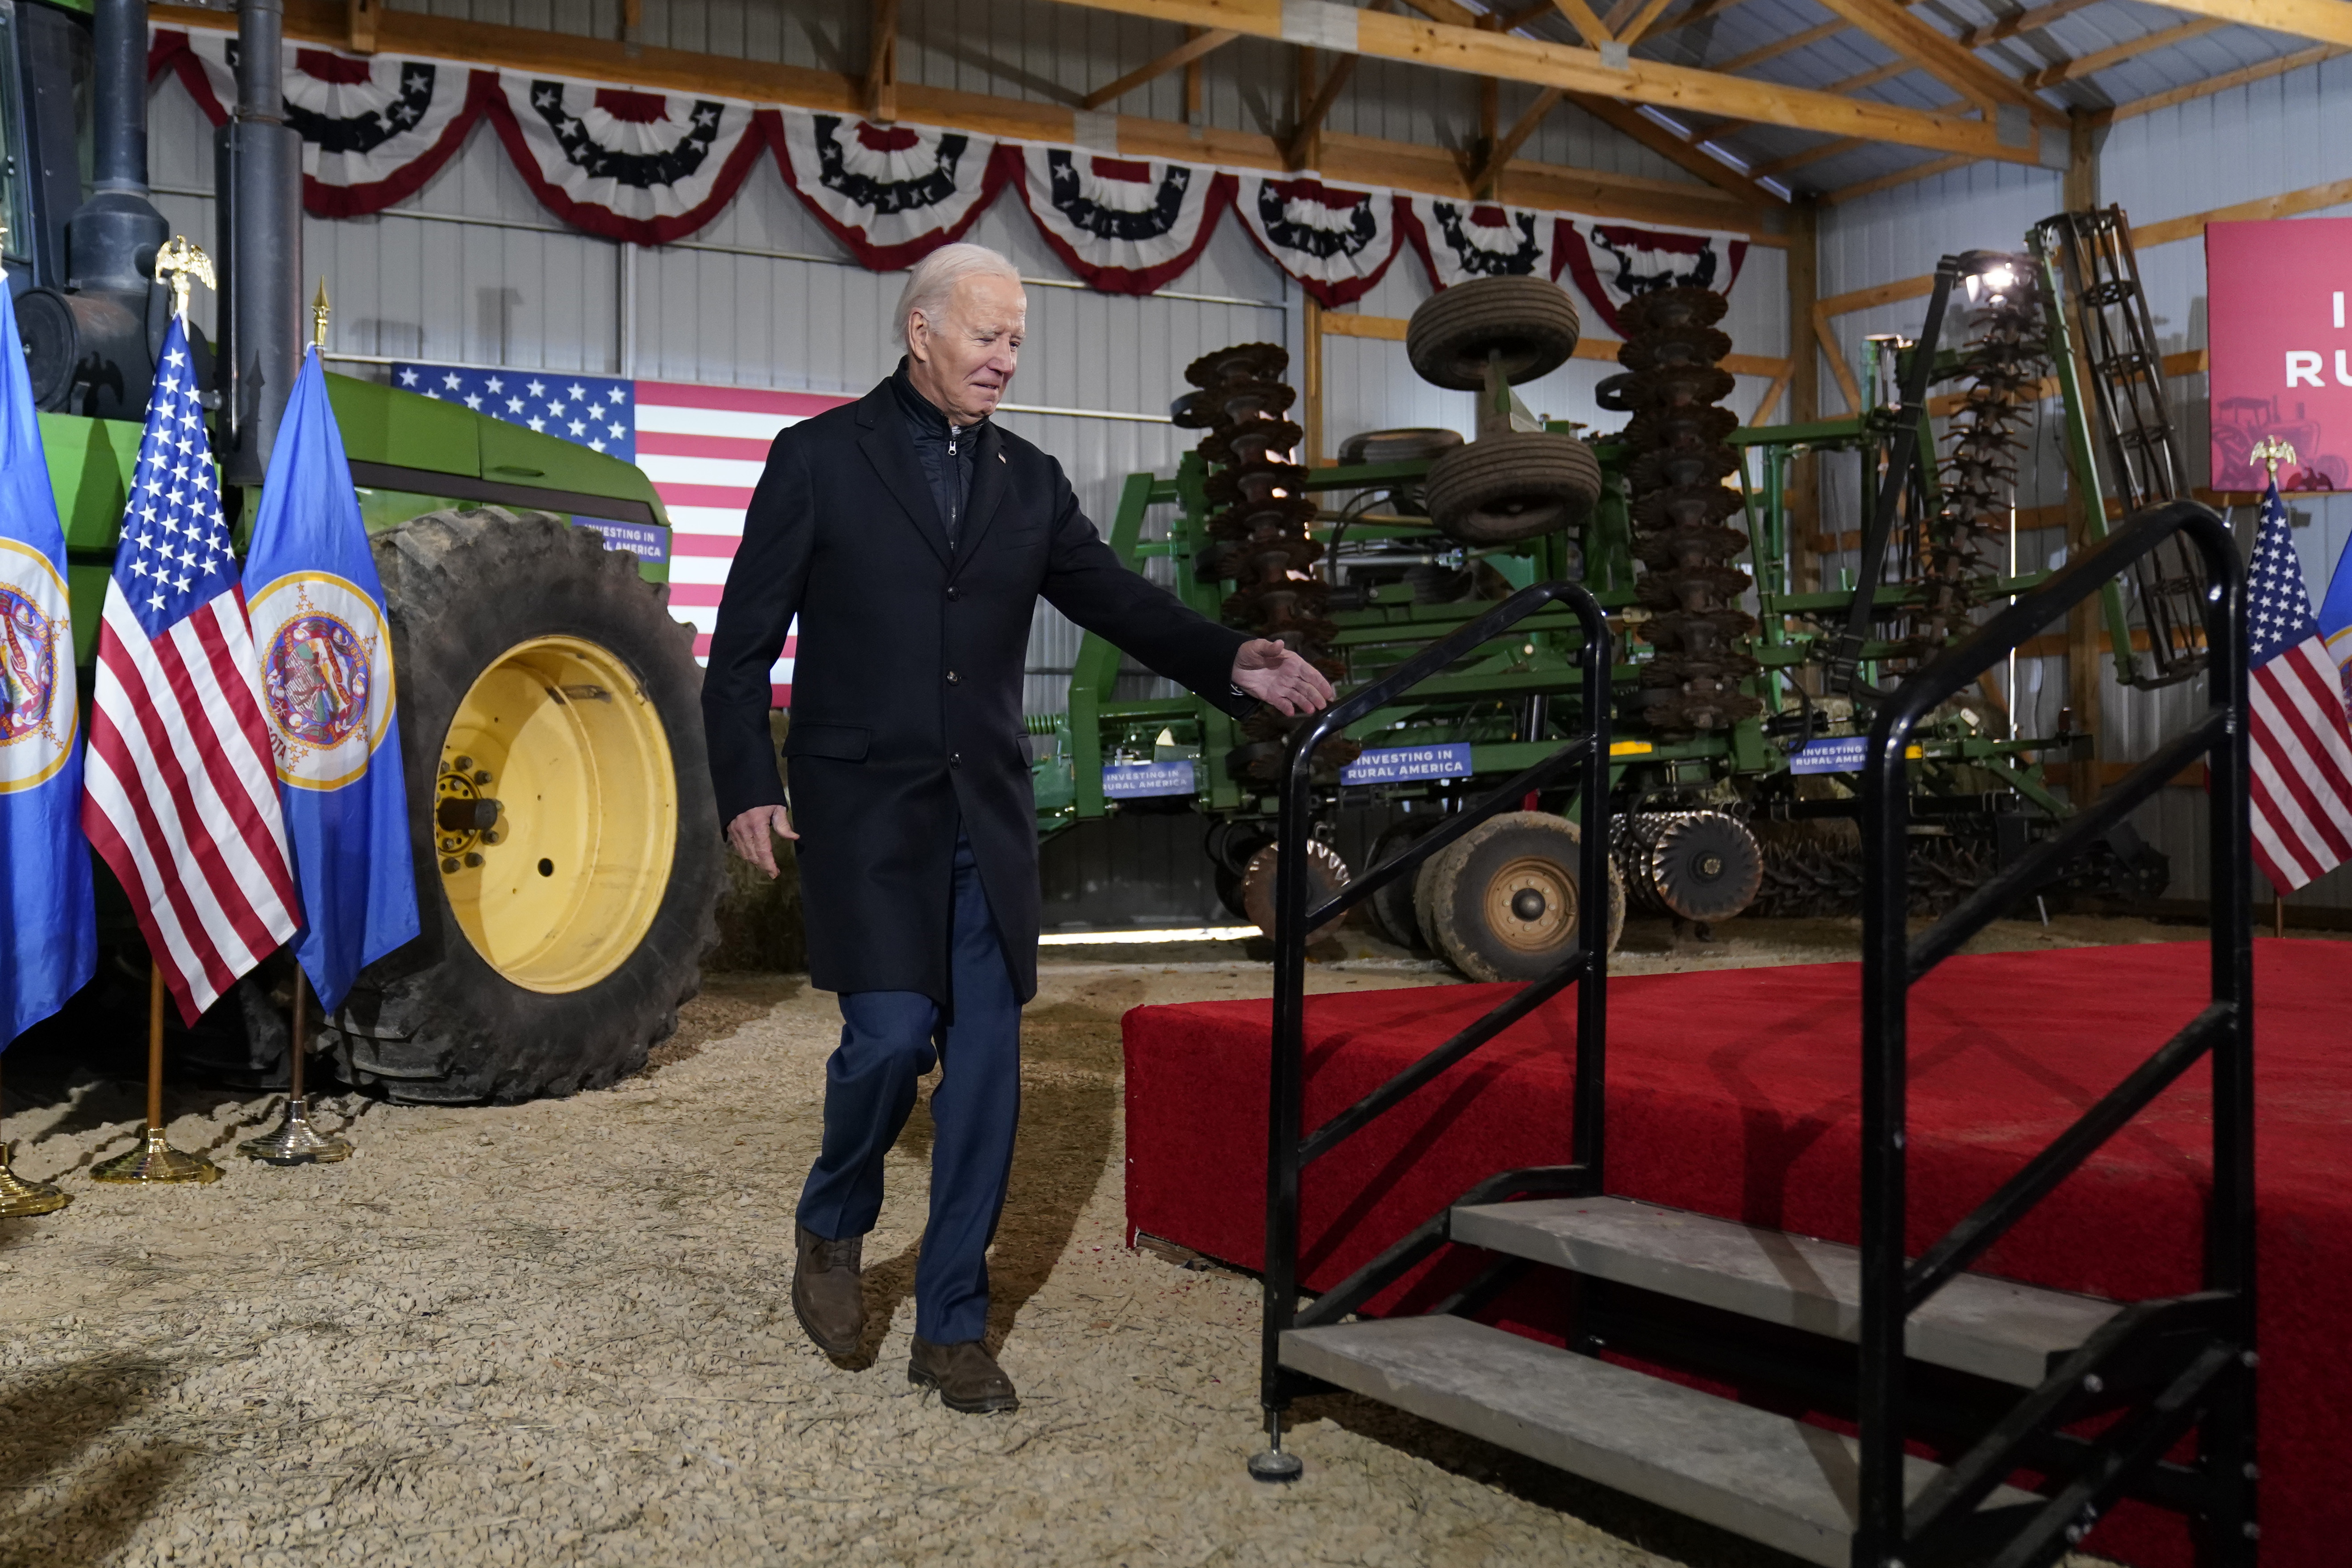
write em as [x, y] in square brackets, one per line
[409, 454]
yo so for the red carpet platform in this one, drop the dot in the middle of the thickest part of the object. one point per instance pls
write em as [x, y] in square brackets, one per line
[1734, 1093]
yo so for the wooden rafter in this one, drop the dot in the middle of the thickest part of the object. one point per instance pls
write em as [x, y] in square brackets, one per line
[1689, 155]
[1182, 55]
[1820, 151]
[882, 62]
[2022, 22]
[1942, 57]
[1692, 17]
[1506, 145]
[1477, 52]
[1642, 21]
[2329, 21]
[2226, 80]
[1589, 27]
[1778, 47]
[2146, 44]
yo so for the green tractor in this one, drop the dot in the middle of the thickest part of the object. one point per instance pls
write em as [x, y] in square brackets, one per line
[567, 851]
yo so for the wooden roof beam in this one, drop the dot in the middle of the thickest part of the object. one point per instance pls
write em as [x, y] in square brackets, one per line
[1943, 57]
[1344, 29]
[1177, 58]
[1589, 27]
[2226, 80]
[2327, 21]
[2146, 44]
[1687, 154]
[2031, 21]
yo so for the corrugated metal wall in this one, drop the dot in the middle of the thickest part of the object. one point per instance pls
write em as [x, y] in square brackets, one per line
[2266, 138]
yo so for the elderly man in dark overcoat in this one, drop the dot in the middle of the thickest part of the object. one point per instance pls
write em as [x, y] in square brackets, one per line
[913, 537]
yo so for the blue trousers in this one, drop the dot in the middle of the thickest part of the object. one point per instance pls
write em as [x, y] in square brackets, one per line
[891, 1038]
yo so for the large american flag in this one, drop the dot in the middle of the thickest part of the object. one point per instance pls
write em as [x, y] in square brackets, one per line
[2301, 743]
[702, 447]
[179, 792]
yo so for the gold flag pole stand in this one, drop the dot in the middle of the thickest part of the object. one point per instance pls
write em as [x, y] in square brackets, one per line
[22, 1199]
[2271, 451]
[155, 1160]
[296, 1141]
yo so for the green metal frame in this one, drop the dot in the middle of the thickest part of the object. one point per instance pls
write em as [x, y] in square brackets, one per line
[1537, 660]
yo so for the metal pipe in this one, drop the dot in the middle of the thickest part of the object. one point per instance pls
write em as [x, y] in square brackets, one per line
[261, 173]
[119, 35]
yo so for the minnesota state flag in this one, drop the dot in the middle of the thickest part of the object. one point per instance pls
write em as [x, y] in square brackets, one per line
[317, 608]
[48, 924]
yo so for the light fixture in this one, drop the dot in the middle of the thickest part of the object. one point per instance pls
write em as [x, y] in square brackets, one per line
[1991, 276]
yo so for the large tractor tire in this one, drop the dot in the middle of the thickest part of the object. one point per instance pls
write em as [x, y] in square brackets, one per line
[1511, 486]
[566, 843]
[1501, 902]
[1529, 321]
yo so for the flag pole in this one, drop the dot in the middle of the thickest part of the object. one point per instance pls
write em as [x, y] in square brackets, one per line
[295, 1142]
[2271, 451]
[155, 1160]
[21, 1199]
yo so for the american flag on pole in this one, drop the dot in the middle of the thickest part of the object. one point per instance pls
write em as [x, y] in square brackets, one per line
[180, 790]
[703, 448]
[2301, 743]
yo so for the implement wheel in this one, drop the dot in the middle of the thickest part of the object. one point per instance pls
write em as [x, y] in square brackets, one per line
[566, 842]
[1501, 902]
[1531, 322]
[1513, 484]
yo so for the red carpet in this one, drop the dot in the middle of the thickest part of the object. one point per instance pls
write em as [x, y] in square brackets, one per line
[1734, 1093]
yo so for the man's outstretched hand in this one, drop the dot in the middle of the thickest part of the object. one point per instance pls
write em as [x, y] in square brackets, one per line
[1274, 674]
[747, 835]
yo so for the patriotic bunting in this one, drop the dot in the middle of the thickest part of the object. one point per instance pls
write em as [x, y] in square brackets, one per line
[651, 168]
[1334, 240]
[1611, 262]
[374, 130]
[645, 167]
[892, 194]
[1127, 226]
[1462, 240]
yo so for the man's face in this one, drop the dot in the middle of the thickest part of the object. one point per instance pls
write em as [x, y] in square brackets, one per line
[967, 357]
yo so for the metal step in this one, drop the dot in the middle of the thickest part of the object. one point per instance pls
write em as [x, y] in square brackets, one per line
[1759, 1475]
[1993, 1328]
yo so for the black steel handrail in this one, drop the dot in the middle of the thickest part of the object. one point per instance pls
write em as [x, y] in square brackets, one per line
[1288, 1152]
[1893, 961]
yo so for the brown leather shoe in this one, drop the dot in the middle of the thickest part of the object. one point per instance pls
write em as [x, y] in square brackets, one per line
[828, 1297]
[966, 1377]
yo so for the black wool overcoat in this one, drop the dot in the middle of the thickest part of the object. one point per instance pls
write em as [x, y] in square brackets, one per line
[905, 721]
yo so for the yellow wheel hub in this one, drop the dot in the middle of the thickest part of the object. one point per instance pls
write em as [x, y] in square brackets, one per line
[555, 814]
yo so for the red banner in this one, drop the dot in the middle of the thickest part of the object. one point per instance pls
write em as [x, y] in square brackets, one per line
[2280, 343]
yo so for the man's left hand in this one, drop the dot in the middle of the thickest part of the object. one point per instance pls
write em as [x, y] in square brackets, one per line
[1273, 674]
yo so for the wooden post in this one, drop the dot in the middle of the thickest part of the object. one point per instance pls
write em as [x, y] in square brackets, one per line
[2086, 636]
[1805, 390]
[882, 63]
[358, 20]
[1193, 87]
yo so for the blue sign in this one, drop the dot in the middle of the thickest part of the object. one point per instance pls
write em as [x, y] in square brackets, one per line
[1399, 764]
[1132, 781]
[649, 542]
[1838, 754]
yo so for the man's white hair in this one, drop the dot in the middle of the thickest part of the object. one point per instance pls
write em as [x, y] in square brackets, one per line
[933, 281]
